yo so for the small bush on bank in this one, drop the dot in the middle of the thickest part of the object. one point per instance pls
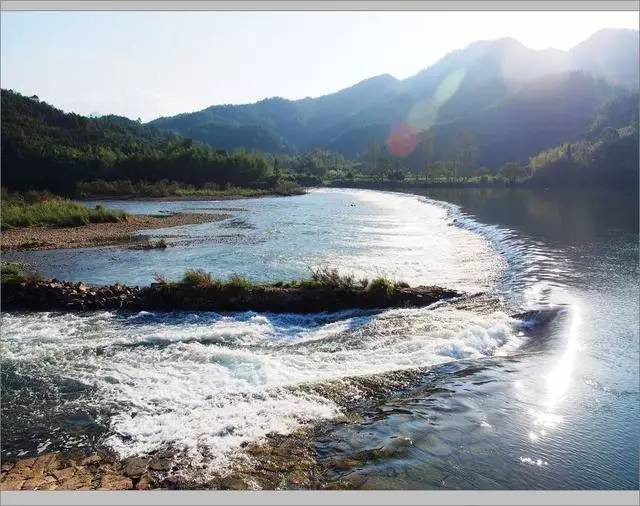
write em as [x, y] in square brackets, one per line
[238, 282]
[199, 278]
[381, 287]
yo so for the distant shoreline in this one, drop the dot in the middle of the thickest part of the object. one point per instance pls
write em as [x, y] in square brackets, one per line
[97, 234]
[181, 198]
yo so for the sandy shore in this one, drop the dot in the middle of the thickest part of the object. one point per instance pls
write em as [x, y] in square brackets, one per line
[97, 234]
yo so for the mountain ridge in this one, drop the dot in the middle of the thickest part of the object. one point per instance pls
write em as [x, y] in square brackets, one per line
[460, 83]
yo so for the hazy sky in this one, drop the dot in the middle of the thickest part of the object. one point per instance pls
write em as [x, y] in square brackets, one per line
[149, 64]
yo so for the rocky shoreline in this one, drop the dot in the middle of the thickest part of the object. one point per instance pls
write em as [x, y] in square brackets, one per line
[97, 234]
[54, 295]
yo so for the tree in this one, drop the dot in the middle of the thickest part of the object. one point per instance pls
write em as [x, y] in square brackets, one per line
[512, 172]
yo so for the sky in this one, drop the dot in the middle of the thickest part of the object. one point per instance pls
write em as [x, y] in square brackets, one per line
[150, 64]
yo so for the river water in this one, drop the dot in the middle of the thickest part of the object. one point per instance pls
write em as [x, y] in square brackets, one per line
[546, 401]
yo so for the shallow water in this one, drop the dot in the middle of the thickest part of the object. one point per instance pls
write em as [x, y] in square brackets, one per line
[515, 405]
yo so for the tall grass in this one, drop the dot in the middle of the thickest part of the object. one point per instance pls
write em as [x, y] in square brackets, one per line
[22, 211]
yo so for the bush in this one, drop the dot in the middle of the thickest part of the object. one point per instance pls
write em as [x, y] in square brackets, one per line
[330, 278]
[381, 287]
[238, 282]
[199, 278]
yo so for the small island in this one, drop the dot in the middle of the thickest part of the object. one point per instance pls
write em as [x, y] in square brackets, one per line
[325, 290]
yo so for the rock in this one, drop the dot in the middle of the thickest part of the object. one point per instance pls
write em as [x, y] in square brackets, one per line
[39, 483]
[343, 464]
[232, 482]
[24, 463]
[45, 462]
[160, 464]
[6, 466]
[135, 466]
[92, 459]
[145, 483]
[15, 484]
[64, 474]
[81, 480]
[115, 482]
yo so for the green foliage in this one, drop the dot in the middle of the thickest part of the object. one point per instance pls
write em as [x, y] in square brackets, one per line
[39, 141]
[44, 210]
[323, 278]
[609, 158]
[513, 172]
[16, 272]
[165, 188]
[238, 282]
[381, 287]
[199, 278]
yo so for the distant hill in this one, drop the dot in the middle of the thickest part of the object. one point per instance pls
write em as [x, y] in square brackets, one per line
[46, 148]
[495, 80]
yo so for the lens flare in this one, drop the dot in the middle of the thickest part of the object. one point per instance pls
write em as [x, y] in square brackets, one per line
[402, 140]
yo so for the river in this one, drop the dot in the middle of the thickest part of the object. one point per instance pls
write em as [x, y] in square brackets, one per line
[546, 401]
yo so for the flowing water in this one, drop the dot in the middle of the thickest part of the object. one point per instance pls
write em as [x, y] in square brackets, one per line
[546, 400]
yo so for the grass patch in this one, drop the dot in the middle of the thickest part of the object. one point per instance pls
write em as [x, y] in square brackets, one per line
[199, 278]
[29, 211]
[323, 278]
[17, 272]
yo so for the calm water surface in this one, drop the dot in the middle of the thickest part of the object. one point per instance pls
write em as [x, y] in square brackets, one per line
[549, 401]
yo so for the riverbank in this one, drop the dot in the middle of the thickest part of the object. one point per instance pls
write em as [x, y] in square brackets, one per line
[97, 234]
[183, 198]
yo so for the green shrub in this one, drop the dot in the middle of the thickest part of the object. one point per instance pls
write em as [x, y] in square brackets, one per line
[381, 287]
[199, 278]
[238, 282]
[331, 278]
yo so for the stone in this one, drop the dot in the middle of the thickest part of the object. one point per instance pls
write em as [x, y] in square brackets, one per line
[6, 466]
[64, 474]
[81, 480]
[92, 459]
[160, 464]
[38, 482]
[43, 462]
[145, 483]
[24, 463]
[115, 482]
[15, 484]
[344, 464]
[135, 466]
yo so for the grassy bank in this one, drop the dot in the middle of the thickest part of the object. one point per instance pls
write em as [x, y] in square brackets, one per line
[44, 209]
[165, 188]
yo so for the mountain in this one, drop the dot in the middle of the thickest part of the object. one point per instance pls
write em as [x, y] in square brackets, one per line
[493, 79]
[611, 54]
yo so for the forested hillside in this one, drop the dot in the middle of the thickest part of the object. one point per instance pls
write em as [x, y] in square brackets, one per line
[45, 148]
